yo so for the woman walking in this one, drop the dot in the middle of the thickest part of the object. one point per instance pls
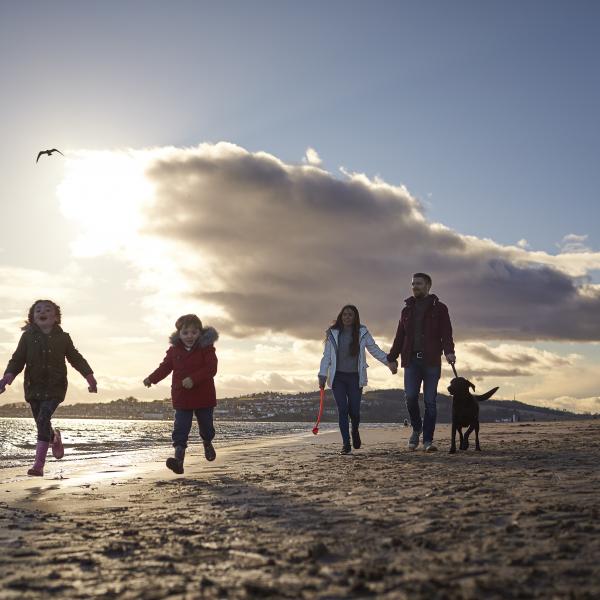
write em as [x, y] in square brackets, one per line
[344, 366]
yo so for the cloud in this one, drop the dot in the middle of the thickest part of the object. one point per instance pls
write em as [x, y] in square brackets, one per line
[282, 247]
[573, 244]
[518, 356]
[312, 157]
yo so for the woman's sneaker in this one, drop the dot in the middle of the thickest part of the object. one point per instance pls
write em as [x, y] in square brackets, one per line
[209, 451]
[58, 450]
[346, 449]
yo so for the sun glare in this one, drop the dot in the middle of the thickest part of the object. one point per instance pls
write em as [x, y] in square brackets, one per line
[105, 192]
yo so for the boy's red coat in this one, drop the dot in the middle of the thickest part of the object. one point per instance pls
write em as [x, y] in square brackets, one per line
[199, 364]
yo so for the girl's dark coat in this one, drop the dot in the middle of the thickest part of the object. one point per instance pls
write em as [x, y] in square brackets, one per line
[199, 364]
[43, 356]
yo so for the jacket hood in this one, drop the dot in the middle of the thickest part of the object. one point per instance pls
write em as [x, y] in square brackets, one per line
[331, 330]
[411, 299]
[208, 336]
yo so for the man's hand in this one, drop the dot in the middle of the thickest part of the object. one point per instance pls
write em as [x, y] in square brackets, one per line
[187, 383]
[451, 358]
[147, 382]
[393, 367]
[92, 384]
[322, 382]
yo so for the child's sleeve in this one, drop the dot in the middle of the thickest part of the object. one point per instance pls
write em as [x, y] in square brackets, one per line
[19, 357]
[209, 368]
[75, 359]
[165, 367]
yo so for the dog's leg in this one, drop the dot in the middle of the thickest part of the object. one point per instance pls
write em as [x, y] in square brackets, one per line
[453, 442]
[477, 446]
[466, 438]
[461, 445]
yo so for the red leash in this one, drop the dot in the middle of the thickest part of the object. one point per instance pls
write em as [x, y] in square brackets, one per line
[316, 427]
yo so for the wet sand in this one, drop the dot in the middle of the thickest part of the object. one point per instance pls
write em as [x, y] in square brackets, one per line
[290, 518]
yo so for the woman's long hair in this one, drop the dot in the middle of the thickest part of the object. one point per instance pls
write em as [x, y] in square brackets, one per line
[337, 324]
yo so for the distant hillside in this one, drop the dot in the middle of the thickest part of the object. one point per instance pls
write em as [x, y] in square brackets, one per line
[379, 406]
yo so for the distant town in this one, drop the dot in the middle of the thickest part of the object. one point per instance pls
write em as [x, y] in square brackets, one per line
[378, 406]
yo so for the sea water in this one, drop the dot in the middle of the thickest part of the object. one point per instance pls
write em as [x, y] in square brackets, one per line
[101, 438]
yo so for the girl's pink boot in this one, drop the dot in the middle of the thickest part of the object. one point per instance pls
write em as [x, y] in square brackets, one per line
[58, 450]
[40, 459]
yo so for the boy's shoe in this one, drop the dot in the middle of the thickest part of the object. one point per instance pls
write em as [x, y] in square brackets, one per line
[209, 451]
[346, 449]
[413, 441]
[58, 450]
[356, 442]
[430, 447]
[175, 463]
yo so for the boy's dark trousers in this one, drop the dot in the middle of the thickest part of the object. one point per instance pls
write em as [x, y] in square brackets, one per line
[183, 425]
[42, 411]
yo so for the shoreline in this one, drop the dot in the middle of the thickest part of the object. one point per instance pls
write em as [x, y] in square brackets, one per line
[289, 517]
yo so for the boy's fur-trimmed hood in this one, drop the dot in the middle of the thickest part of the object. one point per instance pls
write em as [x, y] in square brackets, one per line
[208, 336]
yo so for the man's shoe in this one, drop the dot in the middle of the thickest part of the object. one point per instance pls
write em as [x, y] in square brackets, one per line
[209, 451]
[430, 447]
[413, 441]
[356, 442]
[346, 449]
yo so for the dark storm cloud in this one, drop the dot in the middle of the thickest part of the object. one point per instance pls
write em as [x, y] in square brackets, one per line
[291, 244]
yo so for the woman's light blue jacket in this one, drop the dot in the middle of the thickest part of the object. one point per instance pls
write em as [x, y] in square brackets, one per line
[329, 360]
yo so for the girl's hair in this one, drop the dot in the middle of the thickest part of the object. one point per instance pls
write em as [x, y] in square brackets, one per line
[337, 324]
[188, 321]
[32, 308]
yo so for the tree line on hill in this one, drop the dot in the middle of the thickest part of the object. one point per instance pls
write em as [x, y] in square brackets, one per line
[378, 406]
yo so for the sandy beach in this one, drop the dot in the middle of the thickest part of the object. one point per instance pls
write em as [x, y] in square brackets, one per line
[290, 518]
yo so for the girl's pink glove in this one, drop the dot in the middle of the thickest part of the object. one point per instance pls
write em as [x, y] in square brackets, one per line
[92, 384]
[6, 380]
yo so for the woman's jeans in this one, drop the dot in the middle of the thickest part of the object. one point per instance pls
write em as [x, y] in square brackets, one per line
[347, 394]
[42, 411]
[416, 373]
[183, 425]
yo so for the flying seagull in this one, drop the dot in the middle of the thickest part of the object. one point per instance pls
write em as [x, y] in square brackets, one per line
[48, 152]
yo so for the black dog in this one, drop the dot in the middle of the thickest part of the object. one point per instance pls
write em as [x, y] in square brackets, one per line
[465, 412]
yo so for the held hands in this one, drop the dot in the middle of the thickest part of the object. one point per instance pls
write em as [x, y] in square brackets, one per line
[147, 382]
[187, 383]
[393, 367]
[92, 384]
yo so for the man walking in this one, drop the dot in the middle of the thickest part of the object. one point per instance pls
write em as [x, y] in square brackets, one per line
[424, 332]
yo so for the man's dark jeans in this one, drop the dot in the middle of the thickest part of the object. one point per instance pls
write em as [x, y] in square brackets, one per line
[42, 411]
[347, 394]
[416, 373]
[183, 425]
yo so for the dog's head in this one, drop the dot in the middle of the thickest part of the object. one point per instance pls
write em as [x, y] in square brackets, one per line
[459, 386]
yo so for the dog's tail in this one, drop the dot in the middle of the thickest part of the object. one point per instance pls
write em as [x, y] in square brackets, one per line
[486, 395]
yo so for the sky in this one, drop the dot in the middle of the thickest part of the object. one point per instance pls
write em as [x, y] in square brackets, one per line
[262, 164]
